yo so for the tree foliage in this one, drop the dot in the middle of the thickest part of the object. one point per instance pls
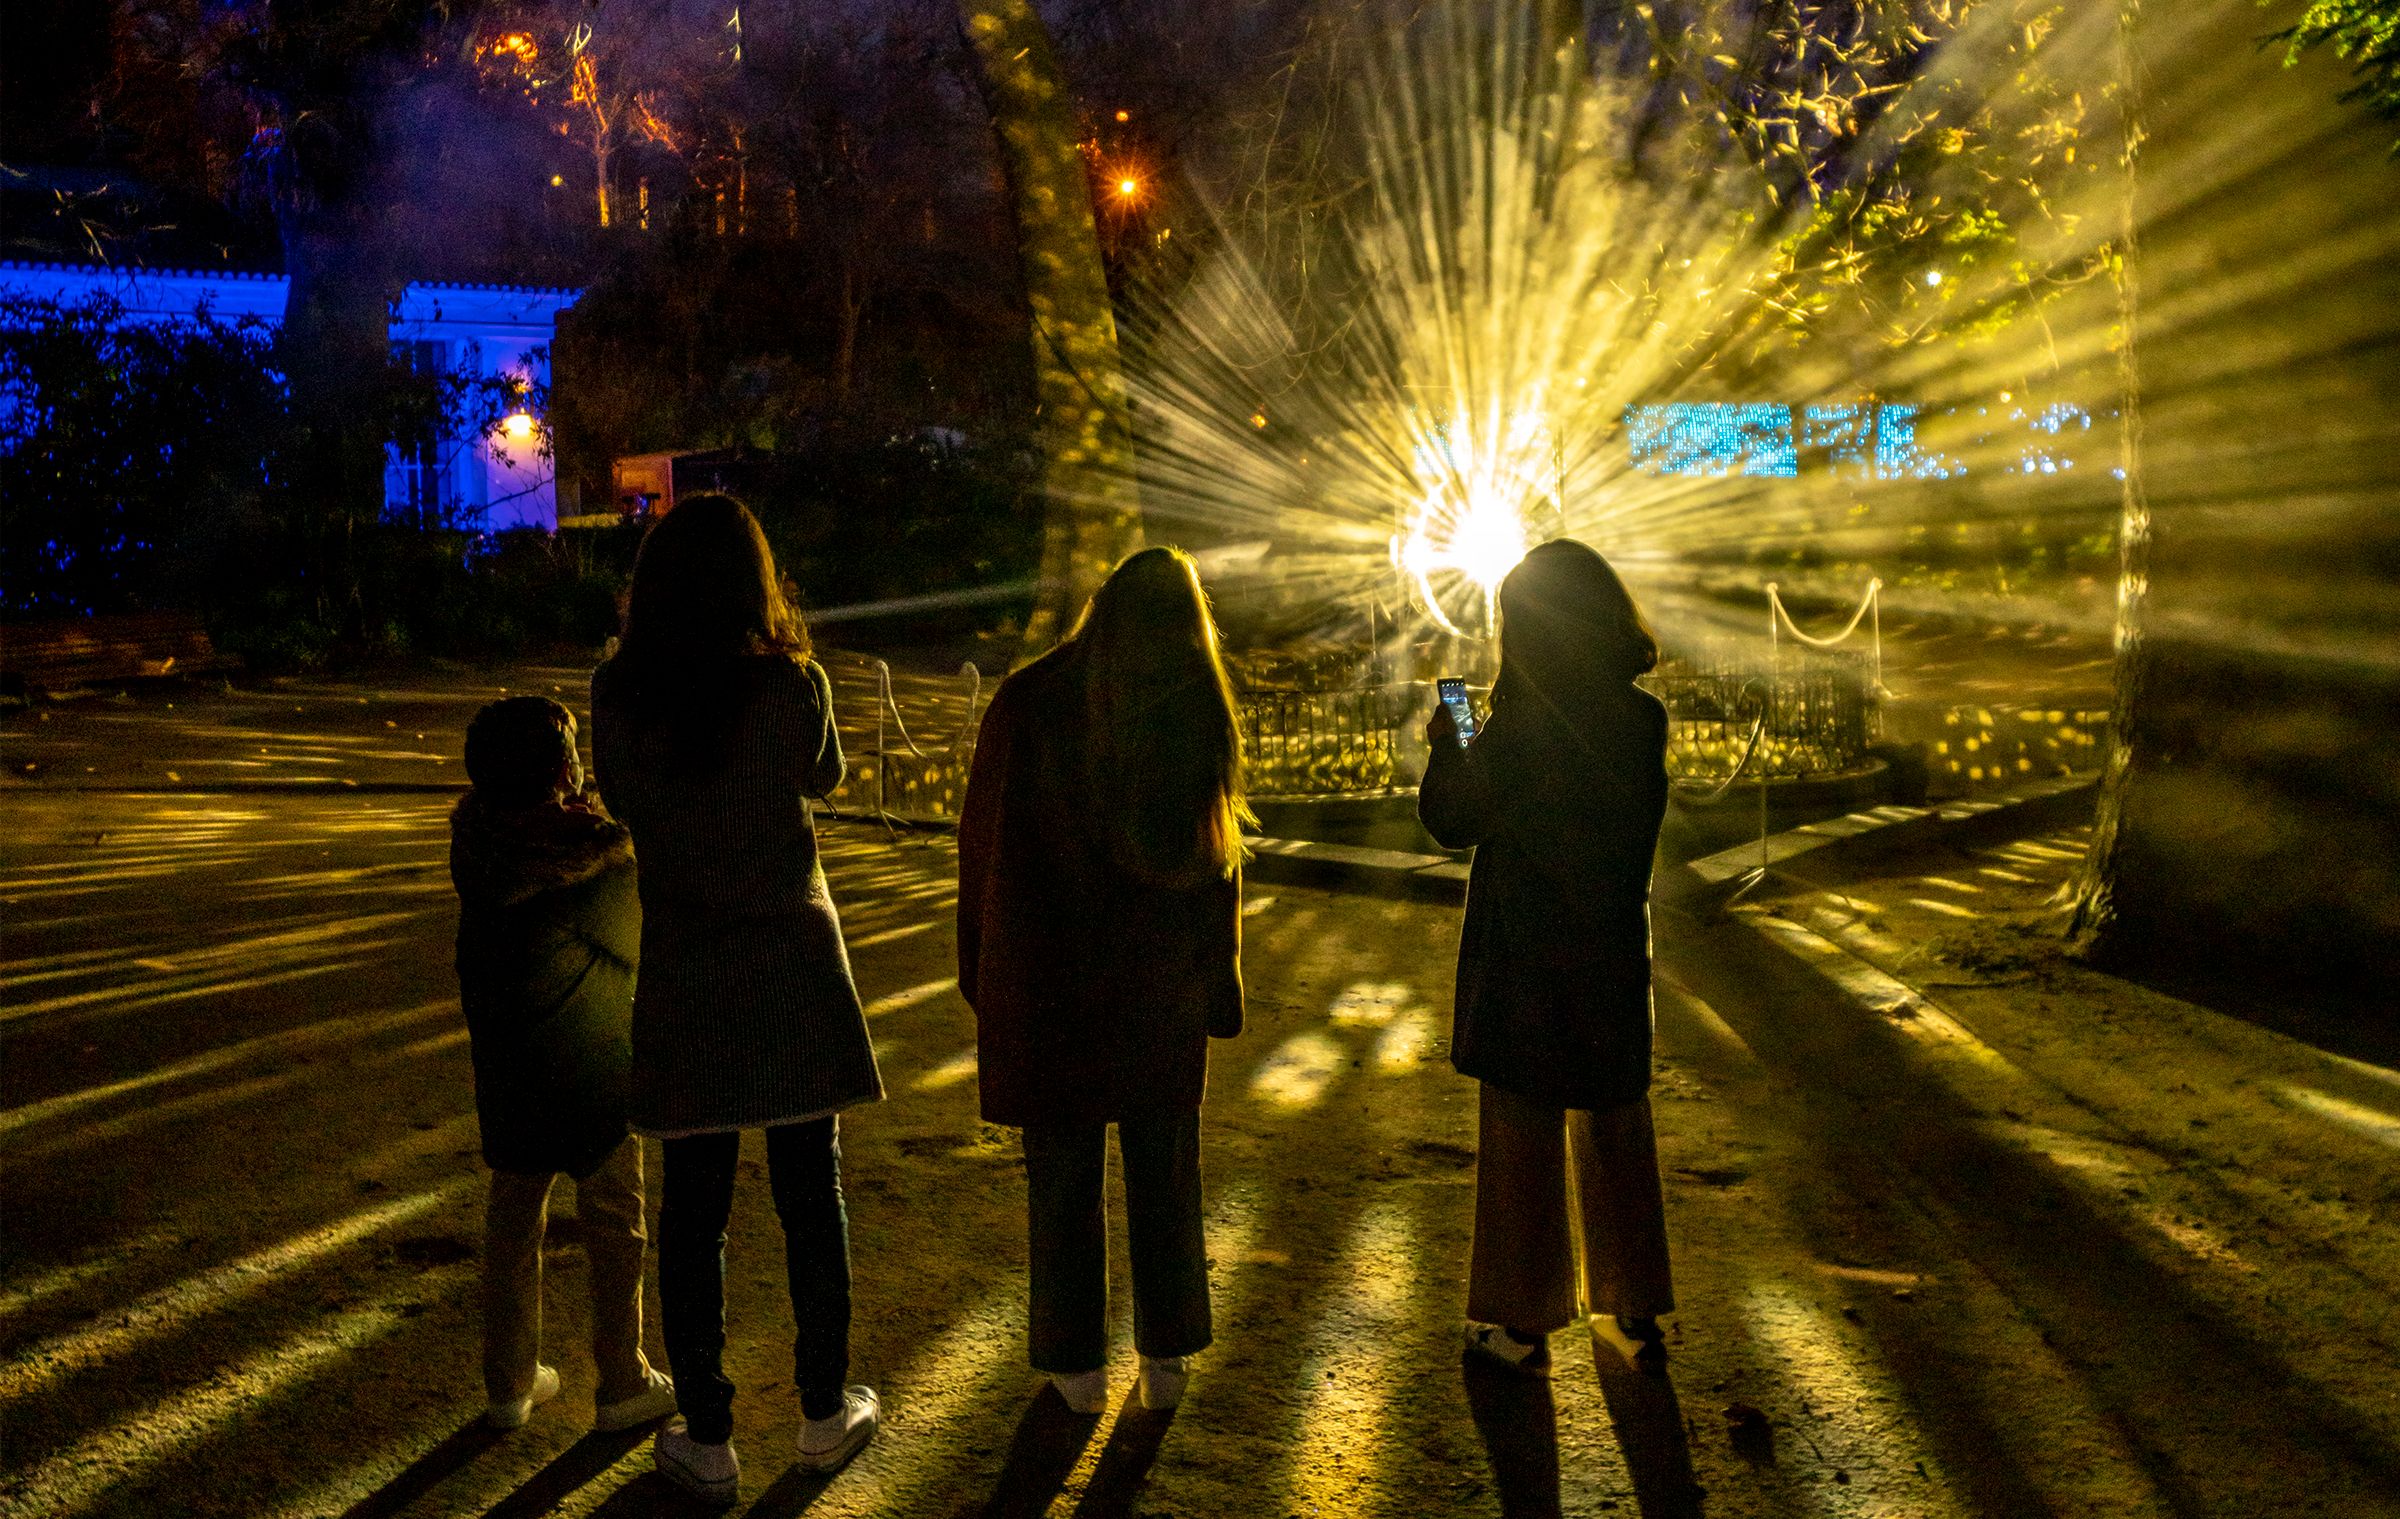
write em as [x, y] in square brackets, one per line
[2363, 33]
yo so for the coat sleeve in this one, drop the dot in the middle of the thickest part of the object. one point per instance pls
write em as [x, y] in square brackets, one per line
[825, 768]
[1457, 799]
[979, 836]
[1226, 1005]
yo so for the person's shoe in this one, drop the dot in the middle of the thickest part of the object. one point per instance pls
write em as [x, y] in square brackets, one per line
[513, 1413]
[1086, 1392]
[1638, 1340]
[827, 1444]
[1163, 1380]
[710, 1473]
[655, 1401]
[1496, 1344]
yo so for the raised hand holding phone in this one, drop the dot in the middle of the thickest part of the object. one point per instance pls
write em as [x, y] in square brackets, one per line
[1453, 692]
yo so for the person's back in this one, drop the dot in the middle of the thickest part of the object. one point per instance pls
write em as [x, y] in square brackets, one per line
[548, 942]
[729, 832]
[712, 729]
[1099, 942]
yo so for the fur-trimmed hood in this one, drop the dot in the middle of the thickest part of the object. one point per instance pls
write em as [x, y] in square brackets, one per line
[500, 856]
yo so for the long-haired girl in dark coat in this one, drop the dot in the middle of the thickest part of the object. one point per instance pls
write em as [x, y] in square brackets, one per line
[1099, 940]
[1561, 795]
[712, 728]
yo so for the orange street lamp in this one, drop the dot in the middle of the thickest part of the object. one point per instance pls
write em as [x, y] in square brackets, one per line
[1127, 189]
[517, 426]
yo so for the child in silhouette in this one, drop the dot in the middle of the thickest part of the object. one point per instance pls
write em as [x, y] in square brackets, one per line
[549, 932]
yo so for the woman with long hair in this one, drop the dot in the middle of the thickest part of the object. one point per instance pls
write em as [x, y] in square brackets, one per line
[1099, 940]
[712, 728]
[1561, 795]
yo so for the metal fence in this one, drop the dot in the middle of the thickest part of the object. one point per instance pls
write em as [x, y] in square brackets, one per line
[1820, 710]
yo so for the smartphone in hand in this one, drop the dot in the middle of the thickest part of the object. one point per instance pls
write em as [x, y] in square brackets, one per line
[1453, 691]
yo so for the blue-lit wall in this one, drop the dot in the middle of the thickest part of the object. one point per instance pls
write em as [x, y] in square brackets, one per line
[475, 329]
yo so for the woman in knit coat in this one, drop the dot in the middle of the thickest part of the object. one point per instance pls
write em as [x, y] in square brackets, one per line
[712, 729]
[1561, 796]
[1099, 940]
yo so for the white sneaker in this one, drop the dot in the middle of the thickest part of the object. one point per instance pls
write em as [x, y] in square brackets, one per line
[1086, 1392]
[1494, 1343]
[710, 1473]
[1163, 1381]
[655, 1401]
[827, 1444]
[514, 1413]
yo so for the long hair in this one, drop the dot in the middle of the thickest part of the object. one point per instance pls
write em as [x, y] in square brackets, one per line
[1162, 746]
[705, 599]
[1569, 630]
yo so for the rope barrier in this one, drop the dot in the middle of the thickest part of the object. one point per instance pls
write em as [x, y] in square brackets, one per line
[1779, 622]
[887, 711]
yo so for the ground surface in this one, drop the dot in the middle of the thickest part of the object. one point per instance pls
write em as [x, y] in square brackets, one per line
[2023, 1240]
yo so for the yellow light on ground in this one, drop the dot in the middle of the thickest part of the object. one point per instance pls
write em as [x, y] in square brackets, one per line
[517, 426]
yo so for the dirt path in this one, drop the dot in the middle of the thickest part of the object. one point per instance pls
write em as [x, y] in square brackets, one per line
[2000, 1274]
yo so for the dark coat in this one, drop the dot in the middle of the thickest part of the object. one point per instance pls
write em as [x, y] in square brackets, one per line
[1095, 993]
[549, 930]
[746, 1015]
[1563, 811]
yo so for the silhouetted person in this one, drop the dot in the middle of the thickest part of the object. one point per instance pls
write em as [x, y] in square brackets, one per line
[1099, 940]
[1561, 795]
[711, 729]
[549, 932]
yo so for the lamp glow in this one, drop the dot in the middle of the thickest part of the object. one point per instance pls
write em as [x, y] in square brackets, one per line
[517, 426]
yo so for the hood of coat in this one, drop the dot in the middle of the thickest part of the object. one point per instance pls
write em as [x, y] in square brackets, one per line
[500, 856]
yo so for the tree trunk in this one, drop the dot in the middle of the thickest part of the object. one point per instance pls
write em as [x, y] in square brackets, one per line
[1091, 512]
[2095, 914]
[335, 348]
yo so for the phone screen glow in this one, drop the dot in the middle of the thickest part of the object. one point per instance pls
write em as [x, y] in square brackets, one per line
[1462, 711]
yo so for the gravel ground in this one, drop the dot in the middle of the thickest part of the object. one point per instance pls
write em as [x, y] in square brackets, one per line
[2026, 1239]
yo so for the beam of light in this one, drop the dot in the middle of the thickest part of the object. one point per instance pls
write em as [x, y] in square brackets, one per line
[1297, 1072]
[332, 1031]
[44, 1364]
[1814, 1356]
[1894, 1001]
[2361, 1120]
[75, 1478]
[1514, 279]
[2115, 1175]
[924, 992]
[1352, 1365]
[21, 1298]
[958, 1068]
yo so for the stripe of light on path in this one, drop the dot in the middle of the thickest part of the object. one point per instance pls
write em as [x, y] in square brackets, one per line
[44, 1364]
[1868, 1435]
[72, 1479]
[911, 997]
[1356, 1351]
[177, 1109]
[2357, 1117]
[330, 1031]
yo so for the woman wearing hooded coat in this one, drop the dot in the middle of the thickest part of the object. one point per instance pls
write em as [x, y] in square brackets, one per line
[712, 729]
[1561, 795]
[1099, 941]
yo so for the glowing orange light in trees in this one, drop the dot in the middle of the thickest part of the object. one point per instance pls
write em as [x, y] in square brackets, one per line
[517, 426]
[1127, 189]
[1124, 116]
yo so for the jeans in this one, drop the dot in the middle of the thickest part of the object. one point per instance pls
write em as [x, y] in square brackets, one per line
[608, 1206]
[804, 1171]
[1066, 1172]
